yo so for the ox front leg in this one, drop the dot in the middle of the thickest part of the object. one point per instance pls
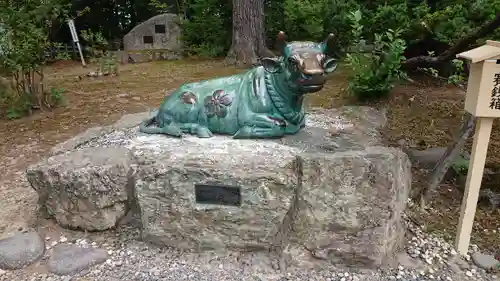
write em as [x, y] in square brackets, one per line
[261, 127]
[197, 129]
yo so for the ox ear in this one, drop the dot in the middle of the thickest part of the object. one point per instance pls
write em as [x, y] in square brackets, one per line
[281, 42]
[271, 65]
[326, 44]
[330, 65]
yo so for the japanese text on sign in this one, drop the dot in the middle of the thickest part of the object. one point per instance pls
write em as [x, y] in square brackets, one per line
[495, 93]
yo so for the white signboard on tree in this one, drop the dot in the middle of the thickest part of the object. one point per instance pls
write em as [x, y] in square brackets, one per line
[72, 29]
[482, 101]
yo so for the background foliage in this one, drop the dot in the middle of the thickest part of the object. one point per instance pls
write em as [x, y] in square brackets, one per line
[373, 36]
[207, 28]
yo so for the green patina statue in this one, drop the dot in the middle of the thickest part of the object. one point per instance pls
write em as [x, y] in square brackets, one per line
[264, 102]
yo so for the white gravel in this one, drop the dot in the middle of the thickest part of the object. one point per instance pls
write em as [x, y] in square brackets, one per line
[132, 260]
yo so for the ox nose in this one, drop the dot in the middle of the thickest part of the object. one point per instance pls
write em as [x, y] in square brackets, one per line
[313, 72]
[313, 78]
[309, 76]
[309, 73]
[306, 76]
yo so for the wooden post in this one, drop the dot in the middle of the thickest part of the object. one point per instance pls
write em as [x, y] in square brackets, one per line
[482, 101]
[473, 183]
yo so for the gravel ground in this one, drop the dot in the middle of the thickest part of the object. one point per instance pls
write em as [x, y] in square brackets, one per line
[120, 255]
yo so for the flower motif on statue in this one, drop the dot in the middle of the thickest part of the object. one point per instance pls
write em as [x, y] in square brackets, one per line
[217, 104]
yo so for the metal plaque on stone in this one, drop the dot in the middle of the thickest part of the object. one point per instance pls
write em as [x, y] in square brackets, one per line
[218, 194]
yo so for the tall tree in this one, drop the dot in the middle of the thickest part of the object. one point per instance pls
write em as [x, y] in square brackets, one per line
[248, 43]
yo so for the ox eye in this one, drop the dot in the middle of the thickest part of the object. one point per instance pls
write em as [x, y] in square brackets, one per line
[293, 60]
[293, 63]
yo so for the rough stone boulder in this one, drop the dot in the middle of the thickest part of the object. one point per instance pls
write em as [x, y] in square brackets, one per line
[20, 250]
[86, 189]
[169, 170]
[330, 194]
[349, 206]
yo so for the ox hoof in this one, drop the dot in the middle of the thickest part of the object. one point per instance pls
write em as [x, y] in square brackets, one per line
[247, 132]
[203, 132]
[172, 130]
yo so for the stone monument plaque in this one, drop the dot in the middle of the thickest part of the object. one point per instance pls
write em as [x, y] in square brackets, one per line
[218, 194]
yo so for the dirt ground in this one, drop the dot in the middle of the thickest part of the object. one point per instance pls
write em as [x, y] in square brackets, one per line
[424, 114]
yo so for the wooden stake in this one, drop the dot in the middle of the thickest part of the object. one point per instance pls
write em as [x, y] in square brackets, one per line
[473, 184]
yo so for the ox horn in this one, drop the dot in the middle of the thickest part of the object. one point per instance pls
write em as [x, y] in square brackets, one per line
[327, 41]
[281, 42]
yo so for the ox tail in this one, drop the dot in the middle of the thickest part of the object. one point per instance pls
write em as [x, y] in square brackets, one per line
[144, 126]
[170, 129]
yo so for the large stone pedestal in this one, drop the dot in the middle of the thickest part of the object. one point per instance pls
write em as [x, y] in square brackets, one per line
[330, 194]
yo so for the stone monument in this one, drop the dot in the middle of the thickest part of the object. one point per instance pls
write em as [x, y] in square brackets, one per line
[161, 32]
[318, 187]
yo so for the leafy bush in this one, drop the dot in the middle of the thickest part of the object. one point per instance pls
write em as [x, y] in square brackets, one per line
[97, 47]
[56, 95]
[24, 31]
[95, 42]
[460, 165]
[374, 74]
[458, 75]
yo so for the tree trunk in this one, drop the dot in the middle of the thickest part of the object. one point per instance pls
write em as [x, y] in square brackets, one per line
[248, 33]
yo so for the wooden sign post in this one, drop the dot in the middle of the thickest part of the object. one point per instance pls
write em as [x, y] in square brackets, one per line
[482, 101]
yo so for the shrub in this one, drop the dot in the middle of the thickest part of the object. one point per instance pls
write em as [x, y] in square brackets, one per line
[374, 74]
[98, 49]
[24, 31]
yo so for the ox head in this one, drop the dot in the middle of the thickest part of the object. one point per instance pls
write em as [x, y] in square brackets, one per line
[303, 65]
